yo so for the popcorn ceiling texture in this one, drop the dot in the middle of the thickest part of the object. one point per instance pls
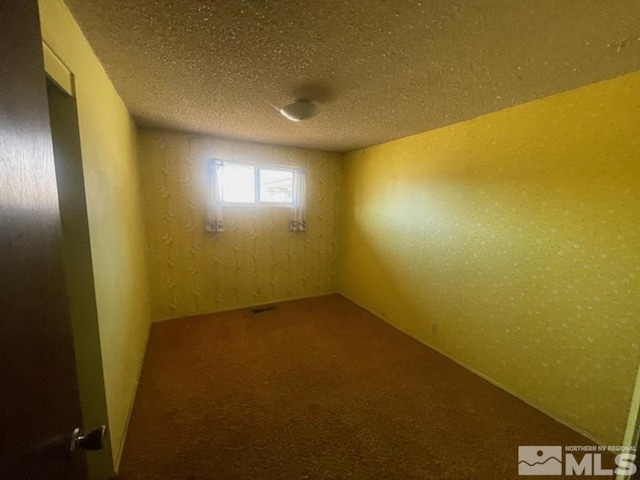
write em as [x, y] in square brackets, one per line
[379, 70]
[109, 150]
[510, 242]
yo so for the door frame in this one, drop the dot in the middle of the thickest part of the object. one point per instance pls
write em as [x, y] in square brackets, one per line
[78, 262]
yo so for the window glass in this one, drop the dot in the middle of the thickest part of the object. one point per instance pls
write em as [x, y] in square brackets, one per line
[238, 183]
[276, 186]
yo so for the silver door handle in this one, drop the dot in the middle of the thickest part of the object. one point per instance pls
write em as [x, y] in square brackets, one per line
[92, 440]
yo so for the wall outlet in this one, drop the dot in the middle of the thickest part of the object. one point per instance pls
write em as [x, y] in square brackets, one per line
[434, 328]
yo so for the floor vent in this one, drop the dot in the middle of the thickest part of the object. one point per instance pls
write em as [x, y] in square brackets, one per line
[264, 308]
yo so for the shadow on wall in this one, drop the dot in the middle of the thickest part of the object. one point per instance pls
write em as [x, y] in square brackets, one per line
[508, 243]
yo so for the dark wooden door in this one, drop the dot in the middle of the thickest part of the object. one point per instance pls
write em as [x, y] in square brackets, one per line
[39, 402]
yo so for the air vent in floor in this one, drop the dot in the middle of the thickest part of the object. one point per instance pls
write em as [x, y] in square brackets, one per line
[264, 308]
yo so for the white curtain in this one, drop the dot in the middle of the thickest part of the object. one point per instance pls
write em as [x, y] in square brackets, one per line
[215, 223]
[299, 221]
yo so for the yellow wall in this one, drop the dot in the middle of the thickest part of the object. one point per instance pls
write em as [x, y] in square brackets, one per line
[108, 142]
[510, 243]
[79, 270]
[257, 260]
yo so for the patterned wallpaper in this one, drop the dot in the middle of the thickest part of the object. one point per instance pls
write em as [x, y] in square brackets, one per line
[257, 260]
[511, 243]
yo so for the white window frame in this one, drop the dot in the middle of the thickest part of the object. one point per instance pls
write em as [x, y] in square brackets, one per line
[257, 167]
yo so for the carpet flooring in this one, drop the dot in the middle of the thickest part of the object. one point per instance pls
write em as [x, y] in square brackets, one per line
[319, 389]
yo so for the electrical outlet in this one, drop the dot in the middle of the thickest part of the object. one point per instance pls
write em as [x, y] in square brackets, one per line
[434, 328]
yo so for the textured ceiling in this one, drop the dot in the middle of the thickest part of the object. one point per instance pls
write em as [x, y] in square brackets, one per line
[380, 70]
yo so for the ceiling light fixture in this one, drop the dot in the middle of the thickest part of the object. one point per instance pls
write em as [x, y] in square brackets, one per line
[300, 110]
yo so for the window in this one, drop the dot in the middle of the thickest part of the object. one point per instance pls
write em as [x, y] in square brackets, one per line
[245, 184]
[235, 183]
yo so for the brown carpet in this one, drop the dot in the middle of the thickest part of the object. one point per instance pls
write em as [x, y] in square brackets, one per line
[319, 389]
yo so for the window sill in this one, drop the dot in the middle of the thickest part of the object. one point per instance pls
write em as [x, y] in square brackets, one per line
[257, 205]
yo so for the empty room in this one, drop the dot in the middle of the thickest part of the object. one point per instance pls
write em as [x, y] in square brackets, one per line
[319, 240]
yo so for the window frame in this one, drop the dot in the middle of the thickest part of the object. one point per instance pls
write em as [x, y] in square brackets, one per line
[257, 167]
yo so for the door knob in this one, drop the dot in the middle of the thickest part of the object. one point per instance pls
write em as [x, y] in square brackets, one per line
[89, 441]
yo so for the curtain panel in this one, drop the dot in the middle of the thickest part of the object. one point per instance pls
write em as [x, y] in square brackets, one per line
[299, 220]
[215, 222]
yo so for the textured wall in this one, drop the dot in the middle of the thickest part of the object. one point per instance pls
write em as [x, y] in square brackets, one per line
[510, 243]
[108, 142]
[257, 260]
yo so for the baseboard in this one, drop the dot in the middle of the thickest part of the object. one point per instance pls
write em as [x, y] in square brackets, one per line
[116, 465]
[486, 377]
[248, 305]
[139, 373]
